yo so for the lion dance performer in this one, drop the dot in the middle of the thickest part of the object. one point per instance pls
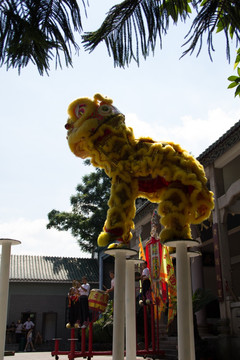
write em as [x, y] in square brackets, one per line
[162, 172]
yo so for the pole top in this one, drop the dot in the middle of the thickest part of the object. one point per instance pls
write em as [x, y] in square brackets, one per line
[136, 261]
[9, 241]
[187, 242]
[122, 251]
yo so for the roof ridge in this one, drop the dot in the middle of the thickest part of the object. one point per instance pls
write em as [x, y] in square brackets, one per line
[44, 268]
[209, 155]
[50, 256]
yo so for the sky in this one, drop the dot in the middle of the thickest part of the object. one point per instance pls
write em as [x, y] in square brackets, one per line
[171, 99]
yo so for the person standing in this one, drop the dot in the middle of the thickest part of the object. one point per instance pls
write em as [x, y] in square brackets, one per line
[18, 331]
[146, 284]
[111, 289]
[11, 331]
[73, 304]
[28, 324]
[84, 291]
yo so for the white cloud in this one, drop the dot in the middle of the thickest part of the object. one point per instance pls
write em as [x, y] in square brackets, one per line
[193, 134]
[37, 240]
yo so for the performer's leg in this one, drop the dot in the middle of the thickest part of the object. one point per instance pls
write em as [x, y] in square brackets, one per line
[71, 314]
[173, 210]
[120, 214]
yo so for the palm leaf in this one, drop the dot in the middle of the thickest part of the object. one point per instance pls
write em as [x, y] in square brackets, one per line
[215, 16]
[35, 30]
[133, 26]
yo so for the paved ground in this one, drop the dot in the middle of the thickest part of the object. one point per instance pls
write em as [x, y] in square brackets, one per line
[44, 356]
[47, 356]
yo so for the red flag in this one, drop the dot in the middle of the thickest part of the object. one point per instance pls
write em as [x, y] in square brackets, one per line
[167, 275]
[141, 250]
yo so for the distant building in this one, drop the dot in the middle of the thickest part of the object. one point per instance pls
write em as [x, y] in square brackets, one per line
[38, 288]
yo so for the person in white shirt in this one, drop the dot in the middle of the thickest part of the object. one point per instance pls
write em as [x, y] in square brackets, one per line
[84, 291]
[145, 271]
[28, 324]
[111, 274]
[146, 284]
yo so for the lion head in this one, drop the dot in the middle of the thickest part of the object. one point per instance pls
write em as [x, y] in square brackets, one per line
[85, 117]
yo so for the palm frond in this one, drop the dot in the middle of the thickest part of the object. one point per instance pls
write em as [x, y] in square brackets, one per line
[134, 26]
[214, 16]
[34, 31]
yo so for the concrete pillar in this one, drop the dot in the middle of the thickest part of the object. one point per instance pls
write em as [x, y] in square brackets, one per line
[130, 302]
[130, 312]
[4, 288]
[186, 348]
[197, 282]
[120, 255]
[219, 220]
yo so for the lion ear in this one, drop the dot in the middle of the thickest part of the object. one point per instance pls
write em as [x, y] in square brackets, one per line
[99, 97]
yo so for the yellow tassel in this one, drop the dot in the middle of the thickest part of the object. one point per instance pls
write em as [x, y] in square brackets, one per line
[104, 239]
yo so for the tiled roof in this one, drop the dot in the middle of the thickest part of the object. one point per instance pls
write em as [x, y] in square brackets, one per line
[26, 268]
[219, 147]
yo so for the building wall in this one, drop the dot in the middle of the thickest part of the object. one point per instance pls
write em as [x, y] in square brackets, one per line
[231, 172]
[225, 181]
[41, 299]
[235, 278]
[224, 178]
[47, 300]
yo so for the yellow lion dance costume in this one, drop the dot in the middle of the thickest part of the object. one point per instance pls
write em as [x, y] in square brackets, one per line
[162, 172]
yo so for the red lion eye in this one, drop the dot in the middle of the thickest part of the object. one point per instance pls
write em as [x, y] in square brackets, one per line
[68, 126]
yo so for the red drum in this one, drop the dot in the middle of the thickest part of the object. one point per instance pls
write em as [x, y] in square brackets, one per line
[98, 300]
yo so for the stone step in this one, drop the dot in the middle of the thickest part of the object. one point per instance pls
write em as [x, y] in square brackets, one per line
[166, 346]
[169, 345]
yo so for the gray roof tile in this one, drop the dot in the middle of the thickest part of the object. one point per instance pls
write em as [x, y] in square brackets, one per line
[27, 268]
[219, 147]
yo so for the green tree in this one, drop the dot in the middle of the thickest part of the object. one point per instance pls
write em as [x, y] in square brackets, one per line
[38, 31]
[132, 27]
[88, 213]
[235, 80]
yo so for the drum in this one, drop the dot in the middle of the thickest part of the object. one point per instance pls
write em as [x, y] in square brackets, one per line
[98, 300]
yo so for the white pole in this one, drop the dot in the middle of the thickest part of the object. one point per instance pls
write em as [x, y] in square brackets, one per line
[4, 288]
[191, 328]
[183, 303]
[118, 314]
[131, 342]
[120, 255]
[186, 345]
